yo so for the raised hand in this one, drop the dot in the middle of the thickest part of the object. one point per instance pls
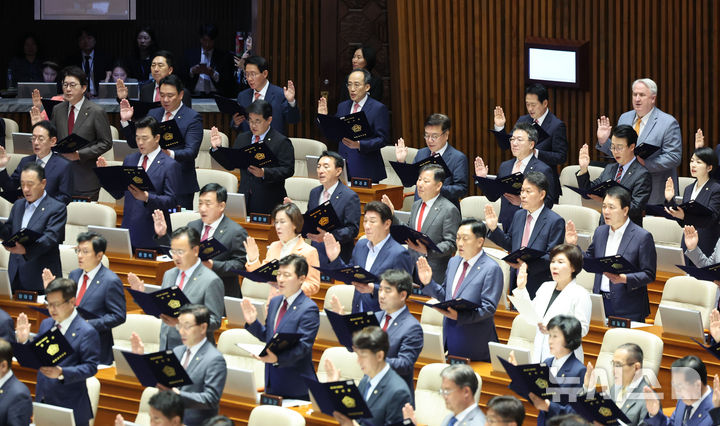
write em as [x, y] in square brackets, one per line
[511, 358]
[480, 168]
[590, 378]
[35, 115]
[651, 401]
[159, 223]
[699, 139]
[136, 343]
[409, 413]
[289, 91]
[522, 276]
[336, 306]
[669, 189]
[322, 106]
[249, 311]
[122, 90]
[332, 247]
[715, 324]
[499, 117]
[251, 249]
[691, 237]
[47, 277]
[604, 130]
[4, 158]
[571, 236]
[22, 328]
[401, 151]
[491, 219]
[36, 98]
[424, 271]
[386, 200]
[101, 162]
[215, 137]
[584, 159]
[135, 283]
[238, 119]
[539, 403]
[119, 420]
[333, 374]
[126, 111]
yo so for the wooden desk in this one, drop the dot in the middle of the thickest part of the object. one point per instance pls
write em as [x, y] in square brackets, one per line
[394, 192]
[14, 308]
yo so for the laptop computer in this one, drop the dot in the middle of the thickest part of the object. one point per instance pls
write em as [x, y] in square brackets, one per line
[312, 162]
[235, 206]
[109, 90]
[22, 143]
[118, 240]
[241, 383]
[522, 355]
[5, 287]
[234, 313]
[47, 90]
[433, 347]
[681, 322]
[52, 415]
[121, 149]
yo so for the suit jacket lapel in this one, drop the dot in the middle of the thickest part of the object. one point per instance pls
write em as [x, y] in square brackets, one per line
[627, 236]
[538, 228]
[37, 213]
[469, 275]
[652, 120]
[431, 215]
[61, 110]
[95, 284]
[81, 115]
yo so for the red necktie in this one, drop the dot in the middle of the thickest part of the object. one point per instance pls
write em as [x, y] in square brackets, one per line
[281, 314]
[257, 95]
[206, 233]
[71, 119]
[460, 280]
[526, 231]
[167, 116]
[144, 164]
[81, 293]
[182, 281]
[157, 94]
[256, 139]
[356, 107]
[420, 217]
[387, 322]
[619, 173]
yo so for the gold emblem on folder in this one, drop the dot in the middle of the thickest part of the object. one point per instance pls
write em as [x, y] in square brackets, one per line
[168, 136]
[323, 221]
[137, 179]
[356, 128]
[208, 250]
[348, 402]
[53, 349]
[541, 383]
[174, 303]
[359, 276]
[617, 266]
[517, 185]
[259, 156]
[605, 412]
[168, 371]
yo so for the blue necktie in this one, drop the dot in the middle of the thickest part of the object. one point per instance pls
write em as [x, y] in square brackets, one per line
[452, 421]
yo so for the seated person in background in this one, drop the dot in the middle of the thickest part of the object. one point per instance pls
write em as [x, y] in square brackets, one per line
[562, 295]
[199, 284]
[289, 312]
[119, 73]
[288, 222]
[166, 409]
[189, 123]
[16, 403]
[437, 135]
[522, 144]
[472, 276]
[435, 216]
[624, 295]
[365, 57]
[534, 226]
[100, 291]
[7, 327]
[505, 409]
[377, 253]
[385, 392]
[57, 168]
[95, 63]
[627, 171]
[699, 143]
[42, 214]
[160, 67]
[164, 173]
[26, 66]
[264, 188]
[64, 384]
[363, 156]
[214, 224]
[210, 70]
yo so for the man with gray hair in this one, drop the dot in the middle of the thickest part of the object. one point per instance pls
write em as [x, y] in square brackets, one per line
[653, 127]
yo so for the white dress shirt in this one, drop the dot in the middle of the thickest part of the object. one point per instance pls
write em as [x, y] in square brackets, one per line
[91, 276]
[77, 107]
[213, 227]
[428, 205]
[625, 167]
[696, 190]
[151, 157]
[471, 262]
[361, 103]
[5, 378]
[535, 215]
[64, 324]
[523, 163]
[373, 251]
[188, 274]
[643, 122]
[30, 210]
[289, 301]
[193, 351]
[329, 191]
[611, 249]
[372, 383]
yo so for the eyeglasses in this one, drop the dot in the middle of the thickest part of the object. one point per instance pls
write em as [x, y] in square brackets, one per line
[434, 136]
[56, 304]
[38, 138]
[79, 251]
[518, 140]
[178, 253]
[181, 327]
[445, 392]
[251, 74]
[617, 148]
[619, 364]
[70, 85]
[355, 85]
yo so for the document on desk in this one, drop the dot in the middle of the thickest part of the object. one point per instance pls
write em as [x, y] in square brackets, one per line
[525, 308]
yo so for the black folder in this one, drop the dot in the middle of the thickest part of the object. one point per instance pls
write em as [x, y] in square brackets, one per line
[505, 185]
[352, 126]
[657, 210]
[402, 233]
[170, 135]
[25, 236]
[166, 301]
[525, 254]
[116, 179]
[342, 396]
[528, 378]
[323, 217]
[159, 367]
[229, 106]
[256, 154]
[458, 304]
[714, 349]
[598, 189]
[599, 409]
[349, 274]
[707, 273]
[141, 109]
[279, 343]
[70, 144]
[211, 248]
[345, 326]
[644, 150]
[46, 350]
[48, 105]
[266, 273]
[613, 264]
[408, 173]
[693, 208]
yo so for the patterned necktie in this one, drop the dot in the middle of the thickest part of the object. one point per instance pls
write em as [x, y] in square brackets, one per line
[206, 233]
[167, 116]
[326, 196]
[619, 173]
[637, 125]
[257, 96]
[461, 279]
[186, 362]
[516, 167]
[71, 119]
[157, 94]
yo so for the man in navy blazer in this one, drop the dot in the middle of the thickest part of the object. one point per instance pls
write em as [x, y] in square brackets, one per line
[282, 99]
[363, 156]
[15, 401]
[190, 124]
[437, 134]
[164, 173]
[624, 295]
[289, 312]
[522, 144]
[534, 226]
[209, 69]
[64, 384]
[550, 149]
[40, 213]
[471, 275]
[57, 168]
[161, 67]
[343, 200]
[377, 253]
[653, 127]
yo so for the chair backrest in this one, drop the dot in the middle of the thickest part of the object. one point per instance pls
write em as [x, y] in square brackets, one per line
[93, 390]
[203, 159]
[497, 256]
[474, 207]
[5, 207]
[238, 358]
[303, 147]
[5, 259]
[430, 405]
[11, 126]
[69, 261]
[143, 414]
[651, 345]
[13, 161]
[388, 155]
[522, 333]
[298, 190]
[584, 218]
[204, 176]
[344, 294]
[431, 317]
[690, 293]
[254, 290]
[684, 182]
[664, 231]
[81, 214]
[146, 326]
[586, 280]
[180, 219]
[343, 360]
[568, 174]
[263, 415]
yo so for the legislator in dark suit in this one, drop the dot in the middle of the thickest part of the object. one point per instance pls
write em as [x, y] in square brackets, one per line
[570, 375]
[7, 327]
[99, 64]
[57, 172]
[221, 61]
[16, 407]
[346, 204]
[700, 415]
[149, 89]
[282, 113]
[455, 186]
[634, 408]
[406, 342]
[386, 400]
[706, 225]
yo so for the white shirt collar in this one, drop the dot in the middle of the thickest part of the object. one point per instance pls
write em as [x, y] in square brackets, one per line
[291, 242]
[362, 102]
[5, 378]
[91, 274]
[626, 165]
[430, 202]
[263, 91]
[464, 413]
[557, 363]
[541, 120]
[214, 225]
[697, 403]
[151, 156]
[36, 202]
[44, 159]
[645, 117]
[471, 262]
[524, 162]
[172, 113]
[65, 324]
[375, 380]
[331, 189]
[189, 272]
[262, 136]
[291, 299]
[634, 384]
[394, 315]
[77, 106]
[442, 150]
[536, 213]
[193, 350]
[620, 230]
[377, 247]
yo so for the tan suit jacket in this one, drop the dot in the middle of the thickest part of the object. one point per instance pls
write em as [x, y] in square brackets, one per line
[312, 281]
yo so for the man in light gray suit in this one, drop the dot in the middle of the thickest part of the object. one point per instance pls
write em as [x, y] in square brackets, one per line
[435, 216]
[200, 285]
[653, 127]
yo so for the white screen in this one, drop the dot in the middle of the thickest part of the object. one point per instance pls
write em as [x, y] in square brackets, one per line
[552, 65]
[84, 9]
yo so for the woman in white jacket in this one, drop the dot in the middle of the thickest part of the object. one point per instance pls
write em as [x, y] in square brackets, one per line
[562, 296]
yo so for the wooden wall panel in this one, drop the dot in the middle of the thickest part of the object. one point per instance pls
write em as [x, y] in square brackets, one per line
[464, 57]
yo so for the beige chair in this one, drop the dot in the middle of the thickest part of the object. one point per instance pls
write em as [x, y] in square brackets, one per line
[204, 176]
[264, 415]
[388, 155]
[568, 177]
[93, 389]
[143, 414]
[684, 182]
[298, 189]
[665, 232]
[179, 219]
[344, 294]
[5, 259]
[238, 358]
[497, 256]
[474, 207]
[651, 345]
[203, 159]
[586, 280]
[11, 126]
[80, 215]
[105, 197]
[146, 326]
[429, 404]
[584, 218]
[344, 361]
[302, 148]
[110, 154]
[254, 290]
[69, 261]
[431, 320]
[5, 207]
[690, 293]
[13, 162]
[522, 333]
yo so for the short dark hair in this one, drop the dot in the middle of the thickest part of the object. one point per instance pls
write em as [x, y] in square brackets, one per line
[6, 352]
[219, 190]
[200, 312]
[573, 254]
[567, 420]
[625, 131]
[167, 55]
[707, 155]
[462, 375]
[299, 263]
[148, 122]
[192, 235]
[47, 125]
[209, 30]
[619, 193]
[570, 328]
[694, 363]
[372, 338]
[99, 243]
[65, 286]
[635, 352]
[87, 30]
[260, 107]
[34, 167]
[369, 54]
[168, 403]
[477, 227]
[529, 129]
[538, 90]
[173, 80]
[218, 421]
[339, 161]
[77, 72]
[379, 208]
[260, 62]
[366, 75]
[509, 408]
[400, 279]
[293, 212]
[539, 180]
[437, 119]
[438, 172]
